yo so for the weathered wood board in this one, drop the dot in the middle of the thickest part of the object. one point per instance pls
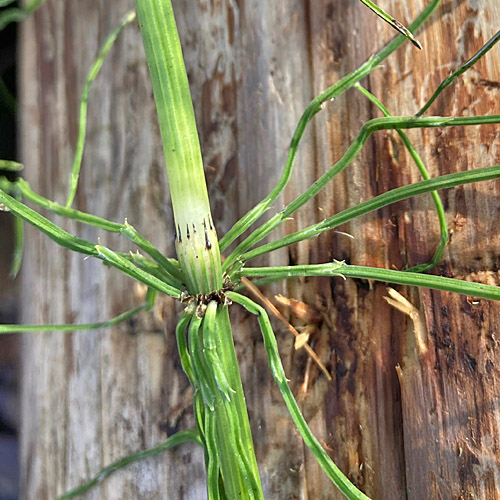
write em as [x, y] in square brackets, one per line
[91, 398]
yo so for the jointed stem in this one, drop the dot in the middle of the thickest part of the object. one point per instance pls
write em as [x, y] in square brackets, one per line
[5, 329]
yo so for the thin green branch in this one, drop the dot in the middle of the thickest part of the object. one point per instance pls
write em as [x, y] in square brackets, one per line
[396, 122]
[53, 231]
[173, 441]
[80, 245]
[326, 463]
[16, 15]
[479, 290]
[392, 196]
[180, 335]
[170, 266]
[425, 174]
[314, 107]
[11, 166]
[451, 78]
[6, 329]
[393, 22]
[82, 123]
[124, 265]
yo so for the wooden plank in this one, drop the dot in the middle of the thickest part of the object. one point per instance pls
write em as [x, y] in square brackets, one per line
[90, 398]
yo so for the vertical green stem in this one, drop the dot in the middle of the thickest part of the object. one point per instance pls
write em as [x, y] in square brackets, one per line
[211, 362]
[196, 241]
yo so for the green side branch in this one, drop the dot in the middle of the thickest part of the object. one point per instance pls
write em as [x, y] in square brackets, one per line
[314, 107]
[425, 174]
[383, 200]
[169, 268]
[390, 123]
[64, 239]
[6, 329]
[177, 439]
[341, 269]
[278, 373]
[82, 122]
[460, 71]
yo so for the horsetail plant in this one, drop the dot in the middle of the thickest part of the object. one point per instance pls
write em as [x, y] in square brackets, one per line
[207, 286]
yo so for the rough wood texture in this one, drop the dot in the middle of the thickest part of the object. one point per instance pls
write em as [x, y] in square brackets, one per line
[90, 398]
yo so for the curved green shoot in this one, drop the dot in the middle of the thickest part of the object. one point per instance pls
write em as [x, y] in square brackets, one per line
[196, 242]
[425, 174]
[170, 266]
[180, 335]
[453, 76]
[11, 166]
[82, 122]
[393, 22]
[15, 14]
[353, 150]
[314, 107]
[278, 373]
[382, 200]
[80, 245]
[212, 459]
[189, 436]
[7, 329]
[202, 373]
[479, 290]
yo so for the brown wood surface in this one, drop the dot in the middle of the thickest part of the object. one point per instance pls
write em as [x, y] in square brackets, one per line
[429, 430]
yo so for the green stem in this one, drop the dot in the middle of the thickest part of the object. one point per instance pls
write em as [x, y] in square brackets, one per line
[196, 241]
[382, 200]
[314, 107]
[387, 275]
[445, 236]
[173, 441]
[396, 122]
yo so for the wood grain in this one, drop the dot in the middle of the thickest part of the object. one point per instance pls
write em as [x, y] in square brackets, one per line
[90, 398]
